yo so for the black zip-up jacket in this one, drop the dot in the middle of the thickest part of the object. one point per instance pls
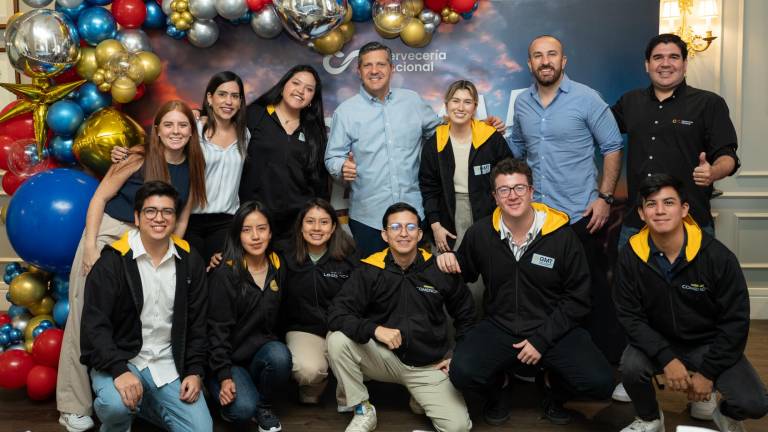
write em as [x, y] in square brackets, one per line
[111, 321]
[541, 297]
[380, 293]
[310, 289]
[706, 303]
[438, 166]
[241, 318]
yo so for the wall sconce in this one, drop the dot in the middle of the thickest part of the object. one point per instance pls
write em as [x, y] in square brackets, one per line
[683, 10]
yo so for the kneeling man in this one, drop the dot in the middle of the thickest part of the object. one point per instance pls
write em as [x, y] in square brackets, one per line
[683, 302]
[143, 326]
[390, 326]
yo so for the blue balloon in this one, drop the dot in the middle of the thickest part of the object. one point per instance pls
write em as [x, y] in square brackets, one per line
[13, 267]
[72, 13]
[361, 10]
[91, 99]
[4, 339]
[60, 283]
[61, 149]
[467, 15]
[175, 33]
[96, 24]
[46, 324]
[46, 217]
[6, 328]
[64, 117]
[15, 335]
[38, 331]
[61, 311]
[155, 17]
[16, 310]
[7, 279]
[99, 2]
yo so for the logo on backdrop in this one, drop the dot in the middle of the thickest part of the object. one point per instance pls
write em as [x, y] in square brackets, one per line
[420, 61]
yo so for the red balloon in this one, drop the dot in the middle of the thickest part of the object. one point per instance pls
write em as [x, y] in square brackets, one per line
[14, 368]
[462, 6]
[255, 5]
[140, 90]
[436, 5]
[6, 145]
[11, 182]
[41, 382]
[4, 318]
[67, 76]
[129, 13]
[47, 348]
[19, 127]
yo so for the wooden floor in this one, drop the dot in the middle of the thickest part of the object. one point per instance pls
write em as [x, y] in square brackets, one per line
[18, 413]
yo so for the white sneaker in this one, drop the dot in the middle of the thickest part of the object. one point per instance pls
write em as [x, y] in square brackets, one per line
[725, 423]
[75, 422]
[364, 419]
[640, 425]
[620, 394]
[703, 410]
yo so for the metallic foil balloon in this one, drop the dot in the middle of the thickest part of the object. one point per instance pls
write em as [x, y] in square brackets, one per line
[87, 64]
[134, 40]
[43, 307]
[96, 24]
[41, 43]
[310, 19]
[386, 34]
[124, 65]
[151, 64]
[429, 28]
[429, 17]
[155, 17]
[231, 9]
[166, 6]
[203, 9]
[27, 289]
[123, 90]
[329, 43]
[91, 99]
[61, 149]
[64, 117]
[414, 33]
[33, 323]
[413, 7]
[69, 3]
[203, 33]
[361, 10]
[20, 321]
[71, 13]
[102, 131]
[37, 3]
[265, 23]
[106, 49]
[347, 30]
[389, 16]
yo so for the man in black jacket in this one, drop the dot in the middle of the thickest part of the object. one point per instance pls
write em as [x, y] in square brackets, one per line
[389, 325]
[537, 292]
[143, 325]
[683, 302]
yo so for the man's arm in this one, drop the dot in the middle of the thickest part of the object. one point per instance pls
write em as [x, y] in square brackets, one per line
[339, 145]
[221, 321]
[346, 312]
[429, 120]
[460, 305]
[517, 140]
[197, 312]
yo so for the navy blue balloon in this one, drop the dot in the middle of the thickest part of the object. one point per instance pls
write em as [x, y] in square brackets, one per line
[96, 24]
[6, 328]
[99, 2]
[37, 331]
[13, 267]
[155, 17]
[61, 149]
[467, 15]
[15, 335]
[7, 279]
[361, 10]
[4, 339]
[46, 217]
[175, 33]
[16, 310]
[91, 99]
[61, 311]
[72, 13]
[46, 324]
[64, 117]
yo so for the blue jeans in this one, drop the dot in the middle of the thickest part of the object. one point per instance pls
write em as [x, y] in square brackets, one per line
[269, 370]
[160, 406]
[628, 231]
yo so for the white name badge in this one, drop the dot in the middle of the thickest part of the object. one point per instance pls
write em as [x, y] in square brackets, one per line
[543, 261]
[482, 169]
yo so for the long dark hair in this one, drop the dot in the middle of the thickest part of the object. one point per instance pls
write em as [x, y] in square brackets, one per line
[239, 118]
[311, 117]
[340, 245]
[234, 253]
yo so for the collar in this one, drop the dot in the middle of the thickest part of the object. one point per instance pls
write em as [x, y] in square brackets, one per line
[481, 131]
[641, 246]
[123, 246]
[137, 246]
[679, 91]
[565, 86]
[654, 250]
[384, 259]
[373, 99]
[539, 217]
[554, 218]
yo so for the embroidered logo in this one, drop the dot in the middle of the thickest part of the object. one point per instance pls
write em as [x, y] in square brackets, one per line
[427, 289]
[682, 122]
[543, 261]
[694, 287]
[335, 275]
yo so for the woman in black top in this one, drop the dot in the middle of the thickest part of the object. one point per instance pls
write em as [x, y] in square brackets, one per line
[284, 166]
[322, 260]
[248, 363]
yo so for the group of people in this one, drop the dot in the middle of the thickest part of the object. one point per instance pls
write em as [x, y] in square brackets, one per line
[268, 286]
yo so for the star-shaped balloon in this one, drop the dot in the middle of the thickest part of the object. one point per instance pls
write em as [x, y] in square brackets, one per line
[36, 98]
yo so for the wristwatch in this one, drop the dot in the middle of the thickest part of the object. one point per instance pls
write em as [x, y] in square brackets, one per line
[607, 197]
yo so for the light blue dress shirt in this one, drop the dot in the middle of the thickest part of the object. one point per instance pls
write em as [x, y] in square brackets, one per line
[558, 143]
[385, 138]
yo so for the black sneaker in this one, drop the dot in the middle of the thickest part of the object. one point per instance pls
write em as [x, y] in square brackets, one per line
[267, 420]
[496, 410]
[556, 413]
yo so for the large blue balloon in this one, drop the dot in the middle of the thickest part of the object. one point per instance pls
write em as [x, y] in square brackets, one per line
[99, 2]
[72, 13]
[60, 312]
[64, 117]
[155, 17]
[16, 310]
[91, 99]
[96, 24]
[46, 217]
[61, 149]
[361, 10]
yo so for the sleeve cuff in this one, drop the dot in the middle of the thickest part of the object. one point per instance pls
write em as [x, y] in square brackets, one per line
[224, 373]
[118, 369]
[665, 356]
[539, 343]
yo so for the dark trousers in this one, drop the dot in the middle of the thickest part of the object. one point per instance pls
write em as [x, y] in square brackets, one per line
[576, 367]
[367, 239]
[206, 233]
[744, 394]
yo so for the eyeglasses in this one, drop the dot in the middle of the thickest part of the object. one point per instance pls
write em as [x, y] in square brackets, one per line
[152, 212]
[398, 227]
[520, 190]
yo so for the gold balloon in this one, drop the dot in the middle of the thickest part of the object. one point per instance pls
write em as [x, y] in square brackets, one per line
[347, 30]
[104, 87]
[445, 12]
[136, 73]
[152, 66]
[3, 213]
[27, 289]
[106, 49]
[414, 33]
[43, 307]
[123, 90]
[33, 323]
[329, 43]
[347, 15]
[412, 7]
[98, 77]
[187, 16]
[183, 24]
[385, 34]
[389, 22]
[180, 5]
[29, 344]
[40, 272]
[109, 76]
[103, 130]
[87, 64]
[175, 17]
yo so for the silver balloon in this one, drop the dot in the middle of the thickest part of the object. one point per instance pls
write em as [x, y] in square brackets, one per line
[40, 44]
[134, 40]
[429, 28]
[20, 321]
[166, 6]
[266, 24]
[203, 9]
[203, 33]
[231, 9]
[37, 3]
[430, 17]
[70, 4]
[310, 19]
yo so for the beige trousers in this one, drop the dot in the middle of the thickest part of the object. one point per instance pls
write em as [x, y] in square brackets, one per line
[73, 388]
[310, 365]
[352, 362]
[463, 218]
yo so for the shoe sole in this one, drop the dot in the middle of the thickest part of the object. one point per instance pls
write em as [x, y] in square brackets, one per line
[497, 421]
[70, 428]
[270, 430]
[559, 422]
[625, 399]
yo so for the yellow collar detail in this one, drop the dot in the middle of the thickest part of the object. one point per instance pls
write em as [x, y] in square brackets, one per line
[555, 218]
[641, 247]
[480, 134]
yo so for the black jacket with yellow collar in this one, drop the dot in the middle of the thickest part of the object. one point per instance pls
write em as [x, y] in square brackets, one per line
[541, 297]
[438, 166]
[110, 332]
[380, 293]
[706, 303]
[242, 317]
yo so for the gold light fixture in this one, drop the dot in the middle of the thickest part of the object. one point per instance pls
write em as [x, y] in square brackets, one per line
[682, 10]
